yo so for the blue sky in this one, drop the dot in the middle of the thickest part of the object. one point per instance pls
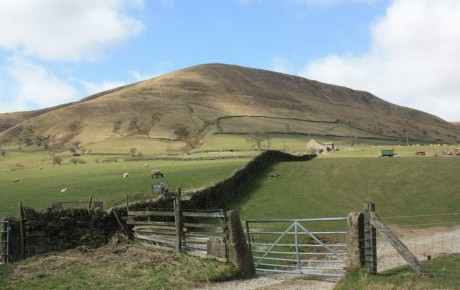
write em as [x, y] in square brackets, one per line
[403, 51]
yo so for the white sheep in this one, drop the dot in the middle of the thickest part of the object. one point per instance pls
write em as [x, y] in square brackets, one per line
[157, 173]
[125, 175]
[146, 165]
[64, 189]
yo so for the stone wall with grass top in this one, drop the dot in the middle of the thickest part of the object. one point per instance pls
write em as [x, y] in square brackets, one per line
[58, 229]
[219, 195]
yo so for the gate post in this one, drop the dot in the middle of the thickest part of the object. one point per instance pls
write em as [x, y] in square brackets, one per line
[178, 220]
[21, 231]
[355, 222]
[4, 241]
[238, 252]
[370, 240]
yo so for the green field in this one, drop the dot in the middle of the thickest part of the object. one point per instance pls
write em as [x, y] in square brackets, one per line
[331, 185]
[445, 268]
[39, 188]
[328, 187]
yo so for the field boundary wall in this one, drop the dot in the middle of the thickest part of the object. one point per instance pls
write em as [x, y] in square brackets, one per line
[58, 229]
[225, 191]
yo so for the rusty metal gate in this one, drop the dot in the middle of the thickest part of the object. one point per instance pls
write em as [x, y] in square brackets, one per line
[4, 241]
[314, 246]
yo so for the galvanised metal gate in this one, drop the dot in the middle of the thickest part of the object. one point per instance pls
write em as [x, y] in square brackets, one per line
[4, 241]
[314, 246]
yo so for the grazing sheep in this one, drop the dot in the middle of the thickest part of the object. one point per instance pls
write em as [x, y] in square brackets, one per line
[272, 175]
[146, 165]
[16, 180]
[64, 189]
[125, 175]
[157, 173]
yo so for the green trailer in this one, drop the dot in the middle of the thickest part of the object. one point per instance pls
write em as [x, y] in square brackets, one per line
[388, 153]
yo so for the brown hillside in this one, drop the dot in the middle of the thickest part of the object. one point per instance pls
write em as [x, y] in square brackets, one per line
[191, 103]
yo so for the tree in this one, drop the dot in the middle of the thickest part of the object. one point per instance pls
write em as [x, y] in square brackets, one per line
[133, 151]
[57, 160]
[77, 144]
[259, 138]
[73, 149]
[76, 160]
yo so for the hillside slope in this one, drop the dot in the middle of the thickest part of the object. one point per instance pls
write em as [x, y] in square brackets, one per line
[190, 104]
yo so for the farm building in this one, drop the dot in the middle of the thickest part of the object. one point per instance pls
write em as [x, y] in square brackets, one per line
[315, 146]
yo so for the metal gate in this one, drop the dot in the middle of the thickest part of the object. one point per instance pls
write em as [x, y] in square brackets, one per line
[4, 241]
[314, 246]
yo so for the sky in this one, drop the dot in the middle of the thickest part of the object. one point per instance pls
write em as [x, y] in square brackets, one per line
[403, 51]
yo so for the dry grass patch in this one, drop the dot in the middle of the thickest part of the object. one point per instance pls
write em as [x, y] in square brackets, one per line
[114, 266]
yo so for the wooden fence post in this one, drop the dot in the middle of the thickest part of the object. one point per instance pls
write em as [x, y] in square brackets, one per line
[400, 247]
[90, 201]
[21, 230]
[178, 220]
[370, 240]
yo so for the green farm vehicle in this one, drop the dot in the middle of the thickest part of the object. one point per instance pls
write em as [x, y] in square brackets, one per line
[388, 153]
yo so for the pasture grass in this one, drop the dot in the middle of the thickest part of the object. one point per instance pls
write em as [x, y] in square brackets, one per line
[281, 142]
[291, 142]
[39, 188]
[146, 146]
[330, 187]
[445, 268]
[365, 151]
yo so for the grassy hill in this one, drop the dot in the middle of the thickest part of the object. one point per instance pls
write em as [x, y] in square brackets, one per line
[190, 104]
[342, 180]
[329, 187]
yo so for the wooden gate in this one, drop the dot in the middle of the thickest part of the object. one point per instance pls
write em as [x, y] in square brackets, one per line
[4, 241]
[299, 246]
[200, 233]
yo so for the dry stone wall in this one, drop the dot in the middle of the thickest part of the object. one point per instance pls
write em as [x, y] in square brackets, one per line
[223, 192]
[58, 229]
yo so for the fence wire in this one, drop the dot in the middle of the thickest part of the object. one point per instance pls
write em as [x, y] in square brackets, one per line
[427, 236]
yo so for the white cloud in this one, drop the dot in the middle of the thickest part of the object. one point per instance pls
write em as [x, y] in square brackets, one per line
[69, 30]
[92, 88]
[160, 68]
[413, 61]
[333, 2]
[32, 86]
[247, 2]
[282, 65]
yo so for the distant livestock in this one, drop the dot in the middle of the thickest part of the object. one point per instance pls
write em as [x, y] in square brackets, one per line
[272, 175]
[157, 173]
[125, 175]
[64, 189]
[16, 180]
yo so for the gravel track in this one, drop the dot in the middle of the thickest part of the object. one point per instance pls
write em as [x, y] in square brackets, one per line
[422, 242]
[274, 281]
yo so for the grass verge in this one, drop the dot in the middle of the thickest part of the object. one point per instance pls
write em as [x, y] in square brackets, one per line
[114, 266]
[445, 268]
